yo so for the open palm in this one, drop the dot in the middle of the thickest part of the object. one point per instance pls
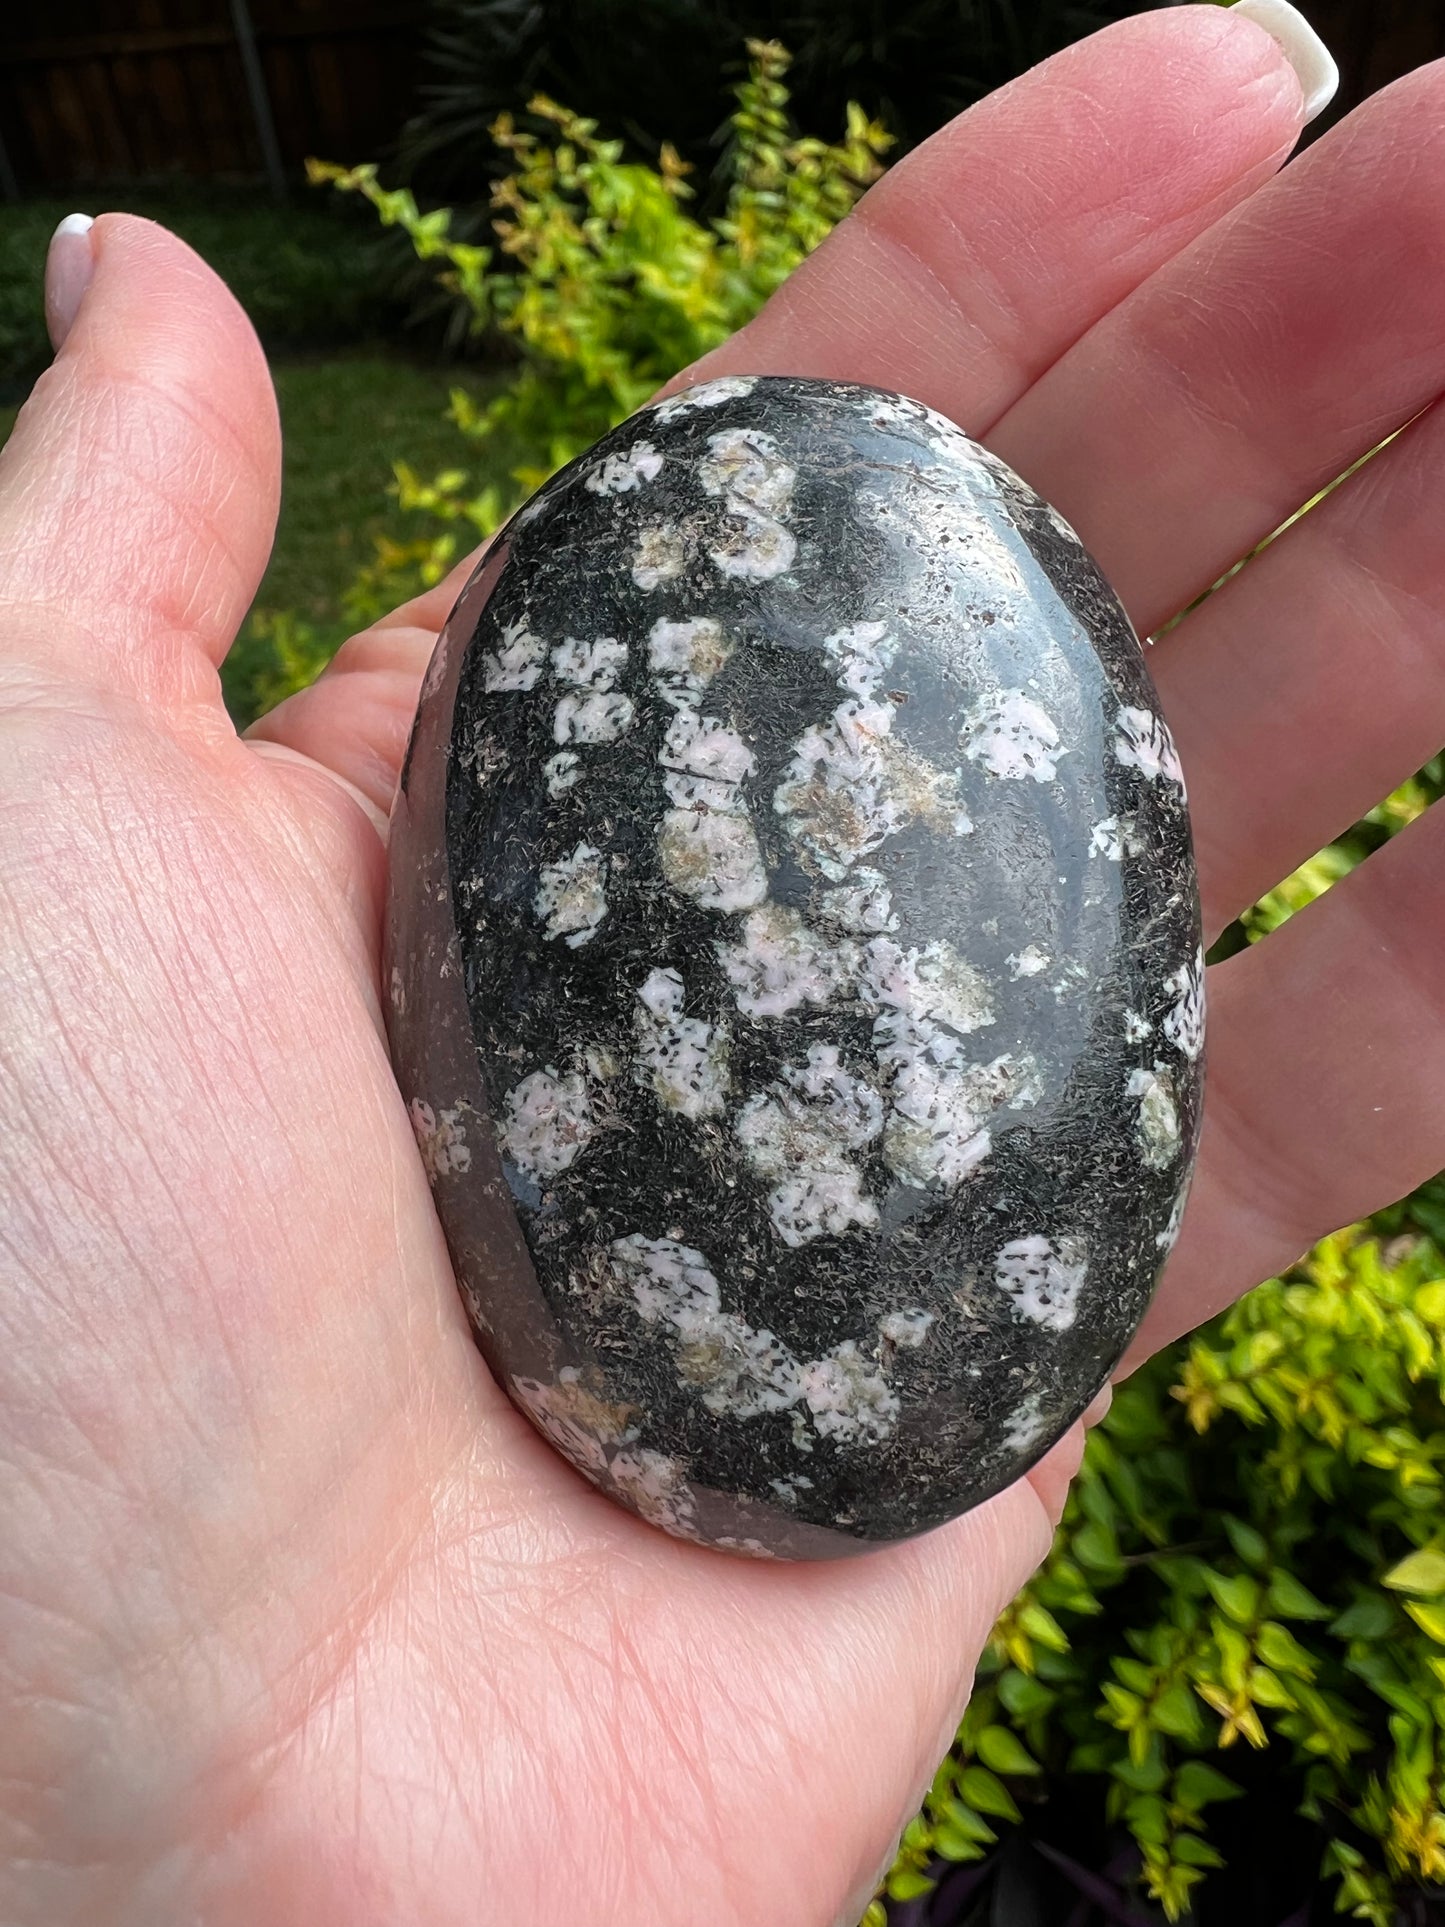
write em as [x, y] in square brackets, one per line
[299, 1621]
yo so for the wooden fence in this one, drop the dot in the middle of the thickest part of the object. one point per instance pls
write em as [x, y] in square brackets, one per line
[112, 90]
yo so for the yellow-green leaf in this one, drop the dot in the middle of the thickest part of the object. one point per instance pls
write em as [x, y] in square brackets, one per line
[1422, 1573]
[1004, 1751]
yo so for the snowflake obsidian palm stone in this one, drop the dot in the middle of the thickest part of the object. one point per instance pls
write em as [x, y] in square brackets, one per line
[794, 967]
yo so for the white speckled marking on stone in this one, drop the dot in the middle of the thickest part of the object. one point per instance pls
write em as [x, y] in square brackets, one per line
[1106, 841]
[833, 799]
[656, 1487]
[571, 895]
[562, 771]
[849, 786]
[747, 468]
[1042, 1279]
[861, 654]
[939, 1102]
[593, 718]
[707, 847]
[599, 1439]
[705, 394]
[1013, 737]
[685, 656]
[1027, 962]
[779, 962]
[1136, 1027]
[1027, 1424]
[712, 857]
[660, 557]
[749, 1548]
[519, 661]
[863, 906]
[938, 1122]
[590, 665]
[745, 465]
[545, 1122]
[796, 1135]
[848, 1397]
[899, 411]
[1158, 1126]
[617, 474]
[755, 547]
[1166, 1239]
[704, 747]
[682, 1060]
[922, 993]
[907, 1329]
[735, 1368]
[442, 1140]
[788, 1489]
[743, 1372]
[1142, 741]
[1184, 1024]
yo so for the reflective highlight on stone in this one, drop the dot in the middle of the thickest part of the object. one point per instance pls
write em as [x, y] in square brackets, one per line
[794, 965]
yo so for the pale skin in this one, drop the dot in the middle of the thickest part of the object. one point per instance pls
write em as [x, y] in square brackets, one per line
[300, 1622]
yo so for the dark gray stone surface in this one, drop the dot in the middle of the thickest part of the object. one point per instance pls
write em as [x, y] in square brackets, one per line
[794, 967]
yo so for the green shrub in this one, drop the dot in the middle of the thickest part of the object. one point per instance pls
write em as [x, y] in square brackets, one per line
[660, 69]
[657, 68]
[604, 282]
[1253, 1557]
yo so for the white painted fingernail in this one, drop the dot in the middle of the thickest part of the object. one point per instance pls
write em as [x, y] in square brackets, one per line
[1319, 77]
[68, 268]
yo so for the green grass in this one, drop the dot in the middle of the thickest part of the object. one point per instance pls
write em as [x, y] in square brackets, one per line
[345, 419]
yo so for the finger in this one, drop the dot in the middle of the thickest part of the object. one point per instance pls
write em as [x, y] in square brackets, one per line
[1257, 365]
[138, 491]
[980, 257]
[968, 269]
[1326, 1080]
[1314, 683]
[354, 720]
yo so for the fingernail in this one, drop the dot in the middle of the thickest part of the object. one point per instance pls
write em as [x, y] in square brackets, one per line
[68, 268]
[1319, 77]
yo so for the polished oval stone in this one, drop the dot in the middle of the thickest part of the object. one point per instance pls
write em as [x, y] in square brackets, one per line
[794, 967]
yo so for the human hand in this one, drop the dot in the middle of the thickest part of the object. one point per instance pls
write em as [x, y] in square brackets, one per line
[300, 1622]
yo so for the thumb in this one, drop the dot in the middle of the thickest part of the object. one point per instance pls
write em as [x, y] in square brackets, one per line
[138, 492]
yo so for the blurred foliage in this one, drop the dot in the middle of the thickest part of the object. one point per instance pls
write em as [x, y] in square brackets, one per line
[655, 69]
[308, 276]
[1252, 1561]
[605, 282]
